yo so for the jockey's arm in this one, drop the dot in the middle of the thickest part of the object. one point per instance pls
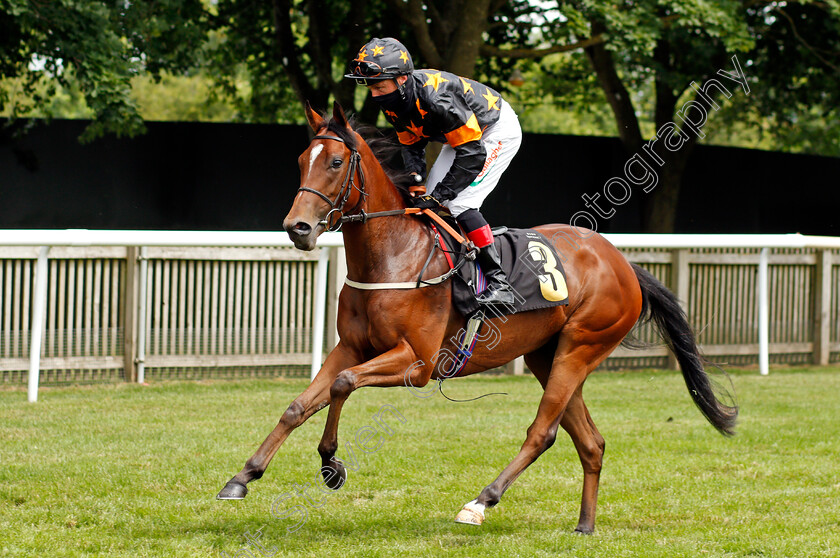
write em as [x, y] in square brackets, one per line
[468, 163]
[414, 157]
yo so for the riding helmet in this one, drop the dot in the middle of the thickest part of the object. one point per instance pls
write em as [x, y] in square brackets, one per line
[380, 59]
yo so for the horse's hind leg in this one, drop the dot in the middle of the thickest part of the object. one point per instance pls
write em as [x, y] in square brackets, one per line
[570, 366]
[590, 447]
[314, 398]
[584, 434]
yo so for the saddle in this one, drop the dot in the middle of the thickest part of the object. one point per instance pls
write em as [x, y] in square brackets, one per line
[529, 260]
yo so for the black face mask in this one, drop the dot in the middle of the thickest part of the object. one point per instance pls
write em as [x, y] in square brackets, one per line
[397, 101]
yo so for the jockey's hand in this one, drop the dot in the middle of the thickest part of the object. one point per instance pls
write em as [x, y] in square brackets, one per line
[418, 188]
[426, 202]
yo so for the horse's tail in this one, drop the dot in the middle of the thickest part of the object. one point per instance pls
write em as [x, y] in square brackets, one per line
[660, 305]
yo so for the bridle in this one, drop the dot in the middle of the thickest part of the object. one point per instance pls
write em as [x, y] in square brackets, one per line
[347, 186]
[337, 206]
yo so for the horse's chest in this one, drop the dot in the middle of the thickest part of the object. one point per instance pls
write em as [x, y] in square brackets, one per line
[373, 328]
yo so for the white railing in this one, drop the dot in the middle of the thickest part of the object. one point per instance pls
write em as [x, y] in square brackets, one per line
[45, 240]
[765, 243]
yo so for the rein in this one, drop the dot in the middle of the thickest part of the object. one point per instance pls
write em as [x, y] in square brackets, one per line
[363, 217]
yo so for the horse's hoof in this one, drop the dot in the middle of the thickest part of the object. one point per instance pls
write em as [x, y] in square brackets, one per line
[335, 475]
[471, 514]
[584, 530]
[233, 491]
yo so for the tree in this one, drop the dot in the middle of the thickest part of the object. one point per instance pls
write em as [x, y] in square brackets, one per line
[662, 47]
[310, 44]
[449, 35]
[632, 51]
[294, 50]
[674, 45]
[102, 45]
[796, 61]
[688, 43]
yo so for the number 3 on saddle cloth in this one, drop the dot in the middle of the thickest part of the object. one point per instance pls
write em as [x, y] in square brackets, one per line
[530, 262]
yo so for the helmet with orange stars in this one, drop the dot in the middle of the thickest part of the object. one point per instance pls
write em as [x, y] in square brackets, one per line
[380, 59]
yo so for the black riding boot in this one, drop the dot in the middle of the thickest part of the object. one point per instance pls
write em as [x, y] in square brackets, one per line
[498, 289]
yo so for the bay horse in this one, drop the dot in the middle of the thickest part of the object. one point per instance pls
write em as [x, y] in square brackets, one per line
[389, 337]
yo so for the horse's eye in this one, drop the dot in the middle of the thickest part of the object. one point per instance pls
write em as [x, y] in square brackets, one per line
[336, 163]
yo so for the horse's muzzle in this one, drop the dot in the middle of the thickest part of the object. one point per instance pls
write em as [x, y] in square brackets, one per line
[302, 234]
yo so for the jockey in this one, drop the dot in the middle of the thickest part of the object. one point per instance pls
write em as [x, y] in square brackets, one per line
[479, 130]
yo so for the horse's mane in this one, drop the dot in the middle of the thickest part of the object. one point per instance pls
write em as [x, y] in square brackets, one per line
[385, 147]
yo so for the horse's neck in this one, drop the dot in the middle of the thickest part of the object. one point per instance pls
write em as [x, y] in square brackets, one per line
[382, 193]
[377, 248]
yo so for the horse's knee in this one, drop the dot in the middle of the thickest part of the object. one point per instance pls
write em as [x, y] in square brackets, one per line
[417, 376]
[541, 440]
[293, 417]
[343, 385]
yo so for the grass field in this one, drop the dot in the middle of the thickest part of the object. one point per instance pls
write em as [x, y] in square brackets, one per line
[125, 470]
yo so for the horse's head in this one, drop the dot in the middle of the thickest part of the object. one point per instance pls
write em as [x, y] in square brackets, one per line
[329, 185]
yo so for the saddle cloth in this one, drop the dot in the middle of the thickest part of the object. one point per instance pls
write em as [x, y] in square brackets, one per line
[532, 267]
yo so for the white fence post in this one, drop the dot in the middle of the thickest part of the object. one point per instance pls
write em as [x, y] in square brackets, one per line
[320, 310]
[38, 324]
[763, 314]
[680, 285]
[337, 275]
[141, 318]
[822, 323]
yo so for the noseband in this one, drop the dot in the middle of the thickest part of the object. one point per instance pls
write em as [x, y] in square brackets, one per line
[337, 205]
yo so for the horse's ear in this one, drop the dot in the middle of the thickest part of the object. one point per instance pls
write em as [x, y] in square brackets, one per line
[316, 121]
[338, 115]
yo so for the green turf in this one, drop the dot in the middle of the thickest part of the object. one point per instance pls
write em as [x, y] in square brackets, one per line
[124, 470]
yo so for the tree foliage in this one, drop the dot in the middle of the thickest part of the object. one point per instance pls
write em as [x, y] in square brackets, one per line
[265, 56]
[102, 45]
[645, 54]
[796, 61]
[291, 51]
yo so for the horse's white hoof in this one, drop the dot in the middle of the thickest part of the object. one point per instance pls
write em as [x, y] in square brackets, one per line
[471, 514]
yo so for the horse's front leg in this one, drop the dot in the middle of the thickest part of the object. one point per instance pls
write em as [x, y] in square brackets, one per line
[386, 370]
[313, 399]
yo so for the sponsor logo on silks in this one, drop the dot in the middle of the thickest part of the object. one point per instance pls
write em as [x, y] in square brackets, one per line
[487, 164]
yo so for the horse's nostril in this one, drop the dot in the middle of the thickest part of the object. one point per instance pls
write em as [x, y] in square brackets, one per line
[302, 228]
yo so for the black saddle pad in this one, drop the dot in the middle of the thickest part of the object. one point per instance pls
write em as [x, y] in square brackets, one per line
[532, 267]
